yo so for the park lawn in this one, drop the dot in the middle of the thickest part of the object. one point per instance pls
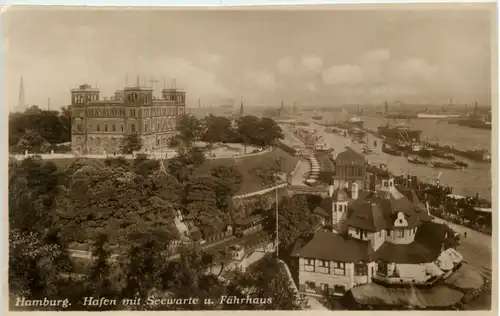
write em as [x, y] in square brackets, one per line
[252, 182]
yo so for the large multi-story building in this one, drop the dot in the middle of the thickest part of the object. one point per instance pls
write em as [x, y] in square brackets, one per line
[99, 126]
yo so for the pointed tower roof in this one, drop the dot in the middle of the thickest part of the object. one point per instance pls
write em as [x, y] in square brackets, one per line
[21, 94]
[242, 112]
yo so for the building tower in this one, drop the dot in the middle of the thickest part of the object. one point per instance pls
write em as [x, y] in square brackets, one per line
[21, 102]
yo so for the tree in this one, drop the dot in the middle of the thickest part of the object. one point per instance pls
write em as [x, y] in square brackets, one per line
[217, 129]
[268, 132]
[201, 205]
[98, 280]
[105, 199]
[186, 161]
[190, 128]
[246, 129]
[295, 220]
[32, 269]
[53, 126]
[33, 186]
[130, 143]
[227, 184]
[32, 141]
[266, 280]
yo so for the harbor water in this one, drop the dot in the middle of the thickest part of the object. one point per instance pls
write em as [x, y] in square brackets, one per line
[436, 131]
[476, 179]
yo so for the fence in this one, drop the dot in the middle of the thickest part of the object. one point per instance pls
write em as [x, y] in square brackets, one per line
[260, 192]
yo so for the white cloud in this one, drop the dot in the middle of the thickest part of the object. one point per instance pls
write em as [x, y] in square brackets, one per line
[344, 74]
[415, 67]
[312, 63]
[263, 80]
[311, 87]
[210, 59]
[285, 65]
[376, 56]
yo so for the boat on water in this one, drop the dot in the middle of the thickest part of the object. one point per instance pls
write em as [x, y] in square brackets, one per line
[473, 122]
[417, 161]
[444, 155]
[400, 132]
[367, 149]
[445, 165]
[352, 123]
[391, 151]
[461, 163]
[436, 116]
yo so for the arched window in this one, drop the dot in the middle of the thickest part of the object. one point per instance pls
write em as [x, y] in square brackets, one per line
[121, 127]
[105, 127]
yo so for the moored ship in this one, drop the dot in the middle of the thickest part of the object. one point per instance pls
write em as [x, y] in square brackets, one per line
[417, 161]
[400, 132]
[444, 165]
[352, 123]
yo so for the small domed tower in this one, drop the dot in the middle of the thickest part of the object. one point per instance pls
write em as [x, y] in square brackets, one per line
[340, 201]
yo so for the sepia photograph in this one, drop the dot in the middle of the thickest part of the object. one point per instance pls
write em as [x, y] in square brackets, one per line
[314, 158]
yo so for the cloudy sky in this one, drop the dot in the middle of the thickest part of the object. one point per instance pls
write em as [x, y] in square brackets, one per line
[313, 57]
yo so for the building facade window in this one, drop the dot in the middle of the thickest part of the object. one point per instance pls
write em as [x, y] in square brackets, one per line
[98, 128]
[132, 128]
[400, 233]
[145, 127]
[324, 267]
[79, 127]
[339, 268]
[105, 127]
[360, 269]
[113, 128]
[309, 265]
[121, 127]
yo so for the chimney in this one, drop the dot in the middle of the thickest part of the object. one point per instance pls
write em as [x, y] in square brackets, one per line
[330, 190]
[354, 191]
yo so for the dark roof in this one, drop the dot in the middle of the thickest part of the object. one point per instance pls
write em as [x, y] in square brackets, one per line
[425, 248]
[327, 245]
[436, 296]
[349, 157]
[341, 195]
[367, 215]
[324, 208]
[411, 253]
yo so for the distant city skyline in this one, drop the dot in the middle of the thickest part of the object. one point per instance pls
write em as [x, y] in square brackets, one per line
[354, 57]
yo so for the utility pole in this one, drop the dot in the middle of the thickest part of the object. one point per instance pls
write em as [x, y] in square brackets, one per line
[48, 104]
[277, 235]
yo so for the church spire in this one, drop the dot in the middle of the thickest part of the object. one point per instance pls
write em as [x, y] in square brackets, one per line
[242, 112]
[21, 101]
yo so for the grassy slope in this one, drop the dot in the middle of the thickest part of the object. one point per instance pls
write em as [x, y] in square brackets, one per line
[251, 182]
